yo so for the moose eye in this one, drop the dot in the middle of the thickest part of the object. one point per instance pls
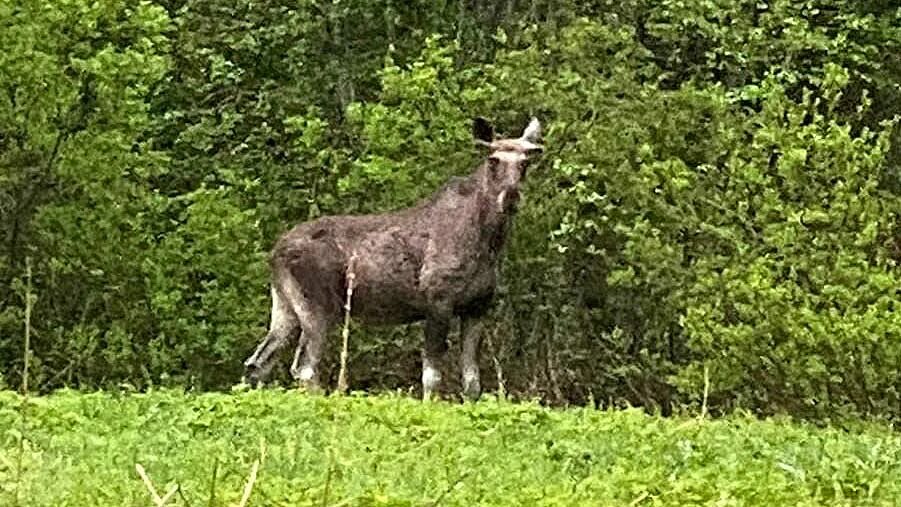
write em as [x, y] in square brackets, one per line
[524, 166]
[494, 165]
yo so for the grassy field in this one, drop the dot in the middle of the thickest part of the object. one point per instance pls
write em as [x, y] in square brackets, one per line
[81, 450]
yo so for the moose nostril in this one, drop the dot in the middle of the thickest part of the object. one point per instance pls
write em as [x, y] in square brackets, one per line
[511, 195]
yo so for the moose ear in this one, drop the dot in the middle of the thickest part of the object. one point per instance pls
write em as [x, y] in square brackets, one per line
[532, 131]
[482, 130]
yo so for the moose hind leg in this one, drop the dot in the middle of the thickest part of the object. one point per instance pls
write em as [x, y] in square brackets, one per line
[434, 350]
[298, 353]
[305, 368]
[283, 326]
[314, 324]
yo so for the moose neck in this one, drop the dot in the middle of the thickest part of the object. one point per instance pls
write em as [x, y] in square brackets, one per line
[488, 221]
[493, 222]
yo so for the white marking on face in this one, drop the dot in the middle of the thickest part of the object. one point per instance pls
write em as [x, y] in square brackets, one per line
[306, 373]
[511, 157]
[501, 197]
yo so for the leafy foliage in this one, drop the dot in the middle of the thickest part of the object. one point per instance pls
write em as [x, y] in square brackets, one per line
[396, 451]
[719, 194]
[72, 166]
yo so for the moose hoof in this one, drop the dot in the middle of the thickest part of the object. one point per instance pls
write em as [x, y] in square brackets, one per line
[310, 387]
[253, 375]
[302, 374]
[429, 395]
[305, 377]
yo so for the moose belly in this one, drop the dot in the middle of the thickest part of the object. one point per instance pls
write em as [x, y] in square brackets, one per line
[385, 297]
[386, 280]
[384, 305]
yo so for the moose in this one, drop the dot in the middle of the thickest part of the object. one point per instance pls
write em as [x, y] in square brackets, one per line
[434, 262]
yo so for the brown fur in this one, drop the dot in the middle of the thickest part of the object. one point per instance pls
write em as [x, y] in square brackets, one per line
[433, 261]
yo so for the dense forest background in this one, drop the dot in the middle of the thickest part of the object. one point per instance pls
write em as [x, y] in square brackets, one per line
[720, 191]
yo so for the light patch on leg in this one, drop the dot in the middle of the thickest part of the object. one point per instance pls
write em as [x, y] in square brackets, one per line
[282, 318]
[295, 365]
[471, 384]
[501, 197]
[431, 377]
[282, 324]
[292, 300]
[253, 358]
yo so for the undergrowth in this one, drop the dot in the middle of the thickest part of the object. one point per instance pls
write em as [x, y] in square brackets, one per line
[82, 450]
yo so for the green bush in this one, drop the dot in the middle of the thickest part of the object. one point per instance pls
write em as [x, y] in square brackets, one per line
[72, 163]
[746, 231]
[796, 311]
[718, 195]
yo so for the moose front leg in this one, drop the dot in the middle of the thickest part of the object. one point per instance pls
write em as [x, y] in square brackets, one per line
[434, 350]
[471, 330]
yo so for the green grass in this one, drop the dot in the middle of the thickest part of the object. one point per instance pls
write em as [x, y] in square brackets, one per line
[81, 450]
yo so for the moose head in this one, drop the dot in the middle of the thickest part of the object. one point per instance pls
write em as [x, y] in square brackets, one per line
[505, 166]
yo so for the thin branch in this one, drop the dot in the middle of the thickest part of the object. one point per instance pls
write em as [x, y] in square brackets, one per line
[706, 392]
[450, 488]
[328, 479]
[642, 497]
[29, 302]
[154, 495]
[213, 481]
[345, 333]
[181, 495]
[169, 494]
[157, 500]
[251, 480]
